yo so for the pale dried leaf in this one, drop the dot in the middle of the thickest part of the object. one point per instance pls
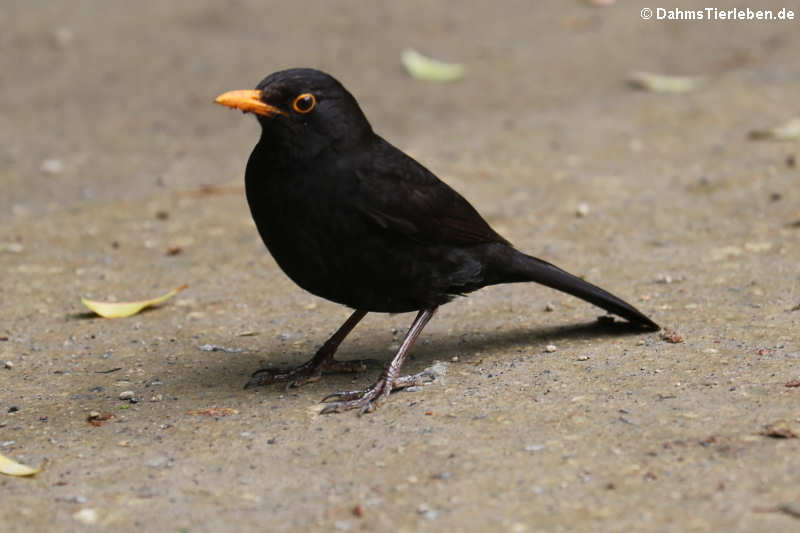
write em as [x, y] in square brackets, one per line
[126, 309]
[428, 69]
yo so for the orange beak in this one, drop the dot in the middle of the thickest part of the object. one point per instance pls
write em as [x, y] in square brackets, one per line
[248, 101]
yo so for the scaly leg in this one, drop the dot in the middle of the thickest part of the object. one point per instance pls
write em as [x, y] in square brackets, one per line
[368, 399]
[322, 361]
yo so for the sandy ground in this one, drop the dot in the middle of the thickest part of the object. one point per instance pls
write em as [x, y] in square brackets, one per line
[107, 132]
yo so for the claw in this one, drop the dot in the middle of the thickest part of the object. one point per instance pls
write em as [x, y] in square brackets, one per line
[365, 401]
[332, 408]
[344, 395]
[330, 397]
[306, 373]
[258, 378]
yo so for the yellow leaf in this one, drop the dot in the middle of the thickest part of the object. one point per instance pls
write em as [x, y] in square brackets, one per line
[214, 411]
[125, 309]
[13, 468]
[425, 68]
[659, 83]
[788, 131]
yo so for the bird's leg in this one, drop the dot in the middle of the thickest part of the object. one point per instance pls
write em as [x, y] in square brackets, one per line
[368, 399]
[322, 361]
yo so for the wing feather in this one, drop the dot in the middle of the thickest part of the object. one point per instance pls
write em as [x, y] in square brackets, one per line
[406, 198]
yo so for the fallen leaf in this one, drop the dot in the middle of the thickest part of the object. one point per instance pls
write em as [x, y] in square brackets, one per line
[98, 419]
[779, 430]
[126, 309]
[660, 83]
[427, 69]
[214, 411]
[671, 336]
[13, 468]
[793, 383]
[788, 131]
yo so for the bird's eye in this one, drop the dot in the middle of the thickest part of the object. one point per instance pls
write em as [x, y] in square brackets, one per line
[304, 103]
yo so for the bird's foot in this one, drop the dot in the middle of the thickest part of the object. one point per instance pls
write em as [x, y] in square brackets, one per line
[368, 399]
[308, 372]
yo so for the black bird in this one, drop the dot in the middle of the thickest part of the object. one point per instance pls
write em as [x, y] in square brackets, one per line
[353, 219]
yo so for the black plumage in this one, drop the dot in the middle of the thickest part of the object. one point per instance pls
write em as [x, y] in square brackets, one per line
[353, 219]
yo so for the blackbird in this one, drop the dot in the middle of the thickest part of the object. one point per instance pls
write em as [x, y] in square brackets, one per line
[352, 219]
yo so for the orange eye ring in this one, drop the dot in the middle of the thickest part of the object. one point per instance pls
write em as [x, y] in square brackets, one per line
[305, 103]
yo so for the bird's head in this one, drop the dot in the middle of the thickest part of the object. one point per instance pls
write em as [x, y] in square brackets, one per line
[302, 112]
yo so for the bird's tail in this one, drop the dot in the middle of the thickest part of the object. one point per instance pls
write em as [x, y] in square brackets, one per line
[509, 265]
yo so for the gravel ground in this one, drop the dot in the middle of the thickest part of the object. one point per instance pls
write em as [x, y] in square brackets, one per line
[121, 179]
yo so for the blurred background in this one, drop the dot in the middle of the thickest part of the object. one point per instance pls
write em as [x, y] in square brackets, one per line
[121, 179]
[108, 100]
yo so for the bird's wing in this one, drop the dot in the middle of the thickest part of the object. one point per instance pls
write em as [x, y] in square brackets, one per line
[402, 196]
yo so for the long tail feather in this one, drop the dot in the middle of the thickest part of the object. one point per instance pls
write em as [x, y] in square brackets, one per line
[513, 266]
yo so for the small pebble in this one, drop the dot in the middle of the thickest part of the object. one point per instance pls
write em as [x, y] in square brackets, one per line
[76, 499]
[52, 166]
[215, 348]
[436, 371]
[156, 398]
[9, 365]
[582, 210]
[342, 525]
[158, 462]
[584, 357]
[13, 247]
[126, 395]
[550, 348]
[63, 36]
[13, 409]
[427, 513]
[549, 308]
[94, 414]
[87, 516]
[534, 447]
[413, 388]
